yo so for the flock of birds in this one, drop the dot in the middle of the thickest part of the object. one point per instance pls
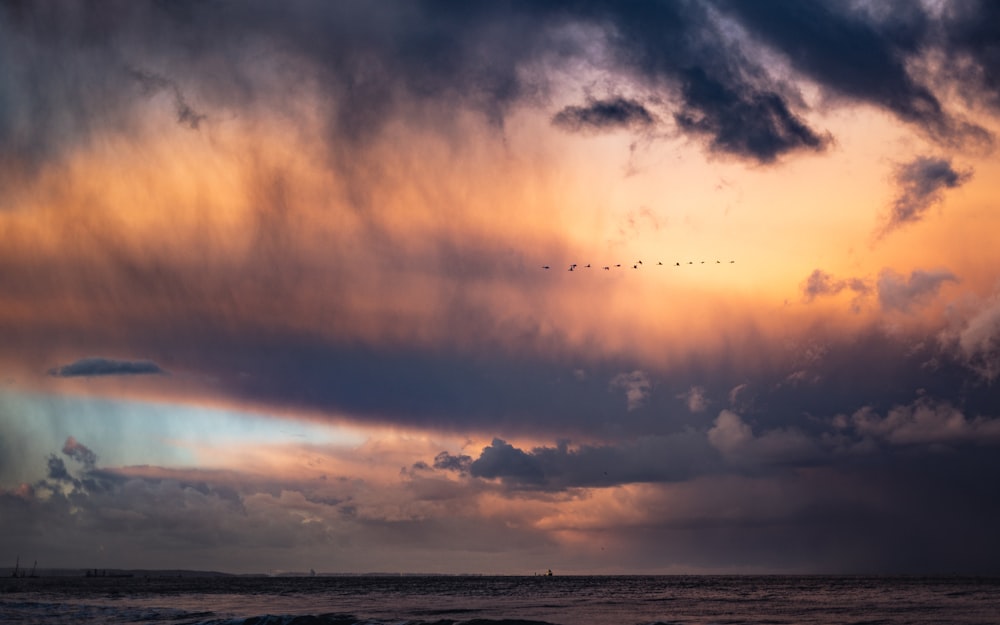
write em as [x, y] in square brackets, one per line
[636, 265]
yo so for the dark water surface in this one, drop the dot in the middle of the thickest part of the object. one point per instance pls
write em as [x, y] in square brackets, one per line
[440, 600]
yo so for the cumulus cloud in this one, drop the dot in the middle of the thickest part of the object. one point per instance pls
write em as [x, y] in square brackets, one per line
[636, 385]
[925, 421]
[921, 184]
[977, 340]
[736, 441]
[603, 115]
[97, 366]
[901, 293]
[503, 460]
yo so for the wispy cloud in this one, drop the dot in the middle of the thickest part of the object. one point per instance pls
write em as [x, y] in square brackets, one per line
[921, 184]
[636, 385]
[98, 366]
[820, 284]
[902, 293]
[604, 115]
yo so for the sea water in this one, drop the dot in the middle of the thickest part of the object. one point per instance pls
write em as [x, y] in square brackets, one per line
[475, 600]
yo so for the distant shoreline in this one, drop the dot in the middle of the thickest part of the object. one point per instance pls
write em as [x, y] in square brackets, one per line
[6, 573]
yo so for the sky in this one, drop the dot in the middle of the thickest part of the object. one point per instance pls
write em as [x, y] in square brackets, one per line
[501, 287]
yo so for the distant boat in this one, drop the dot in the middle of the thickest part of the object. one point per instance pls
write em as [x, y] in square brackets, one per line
[21, 573]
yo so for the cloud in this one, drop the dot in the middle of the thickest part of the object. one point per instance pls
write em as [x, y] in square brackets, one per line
[977, 340]
[972, 58]
[820, 283]
[754, 124]
[80, 452]
[923, 422]
[636, 385]
[97, 366]
[736, 441]
[921, 184]
[371, 65]
[857, 54]
[503, 460]
[604, 115]
[695, 399]
[899, 293]
[57, 469]
[152, 83]
[646, 459]
[460, 463]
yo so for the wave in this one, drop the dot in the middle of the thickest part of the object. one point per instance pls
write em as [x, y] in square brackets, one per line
[347, 619]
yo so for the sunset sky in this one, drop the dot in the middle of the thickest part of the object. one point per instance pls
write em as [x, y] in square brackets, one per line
[273, 291]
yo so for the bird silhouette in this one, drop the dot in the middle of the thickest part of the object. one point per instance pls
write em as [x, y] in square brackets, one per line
[637, 265]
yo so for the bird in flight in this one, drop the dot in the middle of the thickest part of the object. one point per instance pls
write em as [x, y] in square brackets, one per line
[638, 263]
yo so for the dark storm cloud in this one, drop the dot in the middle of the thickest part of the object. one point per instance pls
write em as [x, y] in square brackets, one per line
[972, 43]
[448, 462]
[921, 184]
[724, 95]
[57, 469]
[96, 366]
[754, 124]
[73, 73]
[503, 460]
[374, 63]
[857, 54]
[603, 115]
[649, 459]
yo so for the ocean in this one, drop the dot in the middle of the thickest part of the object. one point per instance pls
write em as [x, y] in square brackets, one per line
[475, 600]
